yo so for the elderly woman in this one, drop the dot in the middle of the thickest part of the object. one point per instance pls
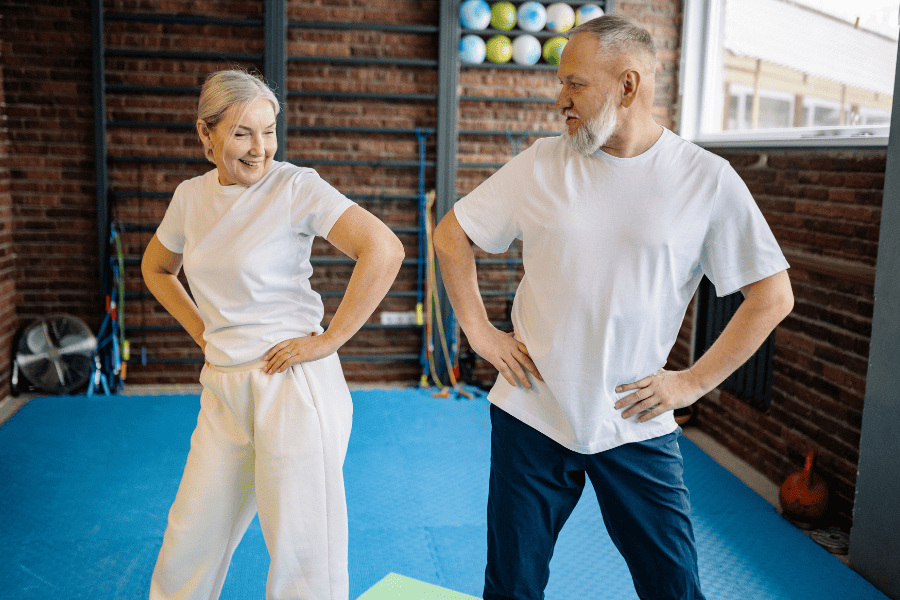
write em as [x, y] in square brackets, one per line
[275, 412]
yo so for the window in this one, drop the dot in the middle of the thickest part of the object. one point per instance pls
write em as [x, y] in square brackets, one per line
[788, 70]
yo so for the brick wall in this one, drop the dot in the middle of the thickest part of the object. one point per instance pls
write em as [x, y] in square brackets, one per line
[7, 258]
[142, 188]
[824, 208]
[53, 191]
[47, 207]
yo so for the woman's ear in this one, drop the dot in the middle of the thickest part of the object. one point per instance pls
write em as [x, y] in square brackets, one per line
[205, 139]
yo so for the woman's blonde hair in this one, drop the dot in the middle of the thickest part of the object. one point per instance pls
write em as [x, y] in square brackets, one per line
[224, 89]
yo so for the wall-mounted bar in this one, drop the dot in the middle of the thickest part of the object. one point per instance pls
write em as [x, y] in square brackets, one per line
[510, 33]
[470, 165]
[140, 194]
[362, 163]
[346, 60]
[363, 95]
[157, 159]
[325, 129]
[160, 124]
[365, 26]
[490, 65]
[500, 132]
[518, 99]
[182, 20]
[120, 88]
[185, 55]
[378, 357]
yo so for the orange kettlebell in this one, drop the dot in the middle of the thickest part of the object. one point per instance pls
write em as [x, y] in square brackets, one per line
[804, 495]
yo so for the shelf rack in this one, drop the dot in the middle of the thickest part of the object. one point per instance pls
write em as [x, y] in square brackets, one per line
[275, 60]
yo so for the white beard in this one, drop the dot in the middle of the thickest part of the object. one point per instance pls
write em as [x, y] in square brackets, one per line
[593, 133]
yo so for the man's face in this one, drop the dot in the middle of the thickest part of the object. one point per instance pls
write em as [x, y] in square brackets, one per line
[587, 98]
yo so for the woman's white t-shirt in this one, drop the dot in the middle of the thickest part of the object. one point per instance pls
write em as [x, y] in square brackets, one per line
[613, 250]
[246, 256]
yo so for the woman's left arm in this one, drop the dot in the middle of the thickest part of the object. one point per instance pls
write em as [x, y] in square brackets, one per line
[378, 255]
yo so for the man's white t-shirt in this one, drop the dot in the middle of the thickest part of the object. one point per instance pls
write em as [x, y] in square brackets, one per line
[613, 250]
[246, 256]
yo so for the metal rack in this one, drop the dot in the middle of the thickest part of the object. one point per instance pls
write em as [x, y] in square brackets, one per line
[458, 31]
[275, 29]
[275, 58]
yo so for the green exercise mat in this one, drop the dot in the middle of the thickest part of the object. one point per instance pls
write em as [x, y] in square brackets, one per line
[398, 587]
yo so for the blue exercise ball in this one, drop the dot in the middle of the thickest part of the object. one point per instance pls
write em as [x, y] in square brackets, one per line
[472, 49]
[475, 14]
[526, 50]
[532, 16]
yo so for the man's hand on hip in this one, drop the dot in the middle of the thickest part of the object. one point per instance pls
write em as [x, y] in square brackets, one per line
[506, 353]
[661, 392]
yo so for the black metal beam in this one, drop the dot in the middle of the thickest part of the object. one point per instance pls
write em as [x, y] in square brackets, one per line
[510, 65]
[364, 26]
[508, 99]
[275, 65]
[362, 96]
[181, 20]
[447, 146]
[174, 54]
[349, 60]
[101, 176]
[325, 129]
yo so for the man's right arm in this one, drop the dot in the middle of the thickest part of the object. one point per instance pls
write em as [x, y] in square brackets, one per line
[457, 260]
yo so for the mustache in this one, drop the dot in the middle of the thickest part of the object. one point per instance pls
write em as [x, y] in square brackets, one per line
[569, 113]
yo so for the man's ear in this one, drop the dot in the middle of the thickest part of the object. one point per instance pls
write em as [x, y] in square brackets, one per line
[629, 84]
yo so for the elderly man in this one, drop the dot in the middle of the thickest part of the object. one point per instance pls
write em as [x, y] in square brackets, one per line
[620, 219]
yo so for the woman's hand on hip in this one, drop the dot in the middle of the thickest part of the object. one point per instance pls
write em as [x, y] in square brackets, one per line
[298, 350]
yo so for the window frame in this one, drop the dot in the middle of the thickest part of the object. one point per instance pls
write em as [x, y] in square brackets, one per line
[702, 30]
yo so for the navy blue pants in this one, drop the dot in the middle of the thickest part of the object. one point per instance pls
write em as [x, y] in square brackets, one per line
[536, 483]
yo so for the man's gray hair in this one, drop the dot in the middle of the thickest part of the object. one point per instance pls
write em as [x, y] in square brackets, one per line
[618, 33]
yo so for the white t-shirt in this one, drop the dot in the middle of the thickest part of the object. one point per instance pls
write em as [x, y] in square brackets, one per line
[246, 256]
[613, 250]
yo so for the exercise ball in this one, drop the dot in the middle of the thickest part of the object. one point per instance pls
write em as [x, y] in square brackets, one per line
[553, 49]
[532, 16]
[474, 14]
[503, 16]
[499, 49]
[587, 12]
[560, 17]
[526, 50]
[472, 49]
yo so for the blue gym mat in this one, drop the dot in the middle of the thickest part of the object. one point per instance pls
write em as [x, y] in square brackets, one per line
[87, 484]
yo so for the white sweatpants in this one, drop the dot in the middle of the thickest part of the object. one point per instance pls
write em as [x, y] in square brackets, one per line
[276, 442]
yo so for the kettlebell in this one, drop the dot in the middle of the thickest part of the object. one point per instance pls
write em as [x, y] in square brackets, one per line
[804, 495]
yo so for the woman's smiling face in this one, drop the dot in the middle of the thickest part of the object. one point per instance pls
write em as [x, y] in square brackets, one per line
[243, 143]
